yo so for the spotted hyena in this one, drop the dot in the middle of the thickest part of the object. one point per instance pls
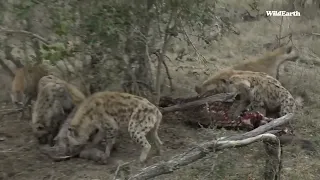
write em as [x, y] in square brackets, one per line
[263, 92]
[51, 108]
[103, 114]
[269, 63]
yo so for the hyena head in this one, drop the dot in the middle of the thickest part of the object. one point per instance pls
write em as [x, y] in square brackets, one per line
[18, 87]
[45, 80]
[54, 103]
[77, 138]
[63, 96]
[217, 83]
[61, 140]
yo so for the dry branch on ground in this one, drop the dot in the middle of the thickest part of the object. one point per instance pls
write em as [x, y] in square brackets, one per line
[200, 151]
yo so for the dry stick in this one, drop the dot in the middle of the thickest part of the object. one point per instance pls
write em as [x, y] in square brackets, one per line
[316, 34]
[223, 97]
[167, 71]
[26, 33]
[11, 111]
[203, 149]
[280, 32]
[168, 75]
[119, 168]
[195, 49]
[167, 38]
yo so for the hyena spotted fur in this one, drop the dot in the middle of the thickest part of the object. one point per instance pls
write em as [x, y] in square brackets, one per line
[76, 94]
[263, 92]
[101, 115]
[218, 82]
[51, 108]
[269, 63]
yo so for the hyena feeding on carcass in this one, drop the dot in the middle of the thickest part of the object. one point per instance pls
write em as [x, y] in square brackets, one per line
[103, 114]
[51, 108]
[55, 101]
[269, 63]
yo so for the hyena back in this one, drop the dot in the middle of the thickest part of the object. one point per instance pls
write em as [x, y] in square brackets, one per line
[102, 115]
[76, 94]
[269, 63]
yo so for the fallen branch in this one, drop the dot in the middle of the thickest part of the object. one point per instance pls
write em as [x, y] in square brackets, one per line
[5, 112]
[200, 151]
[194, 154]
[225, 97]
[120, 166]
[316, 34]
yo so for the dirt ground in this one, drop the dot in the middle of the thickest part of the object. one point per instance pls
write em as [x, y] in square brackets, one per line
[20, 159]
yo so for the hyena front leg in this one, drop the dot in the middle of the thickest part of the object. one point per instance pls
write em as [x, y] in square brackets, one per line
[243, 105]
[111, 133]
[244, 92]
[256, 103]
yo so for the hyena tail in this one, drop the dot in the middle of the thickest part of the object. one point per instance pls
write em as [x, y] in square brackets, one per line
[156, 127]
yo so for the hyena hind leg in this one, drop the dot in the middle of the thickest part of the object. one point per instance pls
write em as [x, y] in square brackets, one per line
[138, 134]
[154, 137]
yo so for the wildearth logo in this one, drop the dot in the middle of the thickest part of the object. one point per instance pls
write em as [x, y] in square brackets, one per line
[282, 13]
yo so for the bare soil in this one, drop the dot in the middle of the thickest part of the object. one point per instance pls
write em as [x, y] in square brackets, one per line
[21, 159]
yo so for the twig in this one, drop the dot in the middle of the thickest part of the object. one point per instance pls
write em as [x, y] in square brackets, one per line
[14, 111]
[316, 34]
[26, 33]
[280, 32]
[224, 97]
[119, 168]
[167, 72]
[204, 60]
[167, 38]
